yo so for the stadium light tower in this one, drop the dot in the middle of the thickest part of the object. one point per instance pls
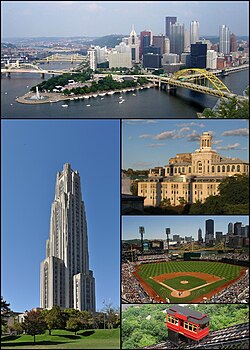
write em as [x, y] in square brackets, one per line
[141, 231]
[168, 233]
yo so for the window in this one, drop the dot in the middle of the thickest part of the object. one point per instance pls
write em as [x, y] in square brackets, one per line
[212, 169]
[189, 169]
[233, 168]
[228, 168]
[238, 167]
[223, 168]
[183, 169]
[218, 168]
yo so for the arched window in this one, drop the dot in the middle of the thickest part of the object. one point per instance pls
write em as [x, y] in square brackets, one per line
[183, 170]
[218, 168]
[179, 170]
[233, 168]
[223, 168]
[168, 170]
[228, 168]
[189, 169]
[175, 170]
[213, 169]
[238, 167]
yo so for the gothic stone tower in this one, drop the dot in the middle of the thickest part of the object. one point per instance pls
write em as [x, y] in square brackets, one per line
[65, 278]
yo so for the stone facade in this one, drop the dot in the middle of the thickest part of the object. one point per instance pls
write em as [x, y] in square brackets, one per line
[190, 177]
[66, 267]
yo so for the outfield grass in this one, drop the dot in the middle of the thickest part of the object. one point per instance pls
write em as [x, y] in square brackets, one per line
[192, 282]
[61, 339]
[226, 271]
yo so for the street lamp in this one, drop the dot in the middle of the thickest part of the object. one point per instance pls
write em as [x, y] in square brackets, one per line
[141, 231]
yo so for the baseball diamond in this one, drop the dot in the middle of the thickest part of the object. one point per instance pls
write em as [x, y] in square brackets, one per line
[202, 279]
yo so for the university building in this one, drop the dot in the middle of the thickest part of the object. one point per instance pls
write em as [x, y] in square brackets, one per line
[65, 277]
[190, 177]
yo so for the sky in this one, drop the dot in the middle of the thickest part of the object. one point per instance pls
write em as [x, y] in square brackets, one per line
[184, 226]
[33, 151]
[151, 142]
[99, 18]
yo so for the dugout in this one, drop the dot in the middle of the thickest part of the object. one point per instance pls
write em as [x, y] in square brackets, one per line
[191, 256]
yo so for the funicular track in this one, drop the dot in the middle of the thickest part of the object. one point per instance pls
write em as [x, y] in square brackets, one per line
[234, 337]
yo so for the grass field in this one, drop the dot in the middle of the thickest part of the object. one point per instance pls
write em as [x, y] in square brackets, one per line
[192, 282]
[225, 271]
[61, 339]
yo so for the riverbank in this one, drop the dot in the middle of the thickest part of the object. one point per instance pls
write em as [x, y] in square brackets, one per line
[52, 97]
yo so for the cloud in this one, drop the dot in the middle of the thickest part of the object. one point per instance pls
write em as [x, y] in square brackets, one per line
[130, 137]
[165, 135]
[157, 144]
[216, 142]
[140, 121]
[185, 128]
[231, 147]
[193, 137]
[94, 7]
[145, 136]
[236, 132]
[200, 125]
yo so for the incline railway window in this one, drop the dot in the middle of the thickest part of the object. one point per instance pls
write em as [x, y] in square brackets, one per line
[191, 327]
[173, 320]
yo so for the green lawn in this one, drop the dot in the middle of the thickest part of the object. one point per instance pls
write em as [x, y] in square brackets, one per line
[226, 271]
[61, 339]
[192, 282]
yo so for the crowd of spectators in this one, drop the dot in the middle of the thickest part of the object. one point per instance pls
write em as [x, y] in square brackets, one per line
[132, 292]
[151, 258]
[237, 292]
[233, 256]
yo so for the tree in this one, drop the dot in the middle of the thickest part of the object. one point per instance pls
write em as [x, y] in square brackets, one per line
[5, 312]
[75, 324]
[54, 319]
[235, 189]
[16, 327]
[111, 314]
[34, 323]
[134, 188]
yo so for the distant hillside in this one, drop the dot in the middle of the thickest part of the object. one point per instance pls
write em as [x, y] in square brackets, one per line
[7, 45]
[108, 40]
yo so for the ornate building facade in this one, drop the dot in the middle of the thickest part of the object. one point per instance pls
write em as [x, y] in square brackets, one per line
[134, 44]
[65, 277]
[190, 177]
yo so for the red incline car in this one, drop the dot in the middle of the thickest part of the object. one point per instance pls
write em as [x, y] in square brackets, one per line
[183, 322]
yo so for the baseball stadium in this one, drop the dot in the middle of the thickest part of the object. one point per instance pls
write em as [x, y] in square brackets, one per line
[162, 277]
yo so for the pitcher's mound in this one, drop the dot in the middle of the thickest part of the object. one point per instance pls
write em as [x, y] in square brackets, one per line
[184, 282]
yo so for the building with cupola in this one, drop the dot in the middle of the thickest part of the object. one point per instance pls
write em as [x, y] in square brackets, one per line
[190, 177]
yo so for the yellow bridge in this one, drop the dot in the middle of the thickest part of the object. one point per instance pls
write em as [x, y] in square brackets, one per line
[63, 58]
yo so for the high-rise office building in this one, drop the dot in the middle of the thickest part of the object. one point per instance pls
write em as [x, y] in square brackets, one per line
[134, 44]
[92, 53]
[177, 38]
[198, 55]
[65, 277]
[159, 41]
[237, 228]
[224, 35]
[211, 59]
[230, 229]
[218, 236]
[194, 32]
[209, 237]
[145, 40]
[200, 240]
[168, 22]
[233, 43]
[186, 40]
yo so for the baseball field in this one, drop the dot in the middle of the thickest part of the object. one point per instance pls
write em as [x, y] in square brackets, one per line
[186, 281]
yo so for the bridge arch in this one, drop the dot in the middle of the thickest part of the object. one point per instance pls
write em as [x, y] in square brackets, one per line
[202, 73]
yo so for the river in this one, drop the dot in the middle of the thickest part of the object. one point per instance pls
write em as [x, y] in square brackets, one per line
[148, 103]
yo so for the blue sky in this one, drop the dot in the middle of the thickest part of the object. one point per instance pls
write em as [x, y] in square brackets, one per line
[98, 18]
[184, 226]
[149, 143]
[32, 153]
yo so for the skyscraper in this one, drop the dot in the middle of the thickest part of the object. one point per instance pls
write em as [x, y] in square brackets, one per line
[198, 55]
[233, 43]
[65, 277]
[194, 32]
[209, 237]
[177, 38]
[145, 40]
[230, 228]
[224, 35]
[134, 44]
[200, 240]
[169, 21]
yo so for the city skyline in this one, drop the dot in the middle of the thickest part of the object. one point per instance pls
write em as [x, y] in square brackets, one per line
[150, 143]
[83, 17]
[155, 225]
[32, 154]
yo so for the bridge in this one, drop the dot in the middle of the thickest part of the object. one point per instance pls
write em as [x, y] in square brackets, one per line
[63, 58]
[195, 79]
[32, 68]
